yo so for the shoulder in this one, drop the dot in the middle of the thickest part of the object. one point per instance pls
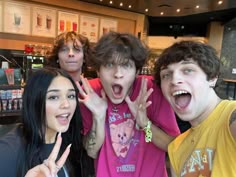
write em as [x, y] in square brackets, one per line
[11, 137]
[95, 84]
[11, 144]
[176, 143]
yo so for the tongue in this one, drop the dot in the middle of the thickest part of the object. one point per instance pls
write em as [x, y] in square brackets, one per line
[116, 89]
[183, 100]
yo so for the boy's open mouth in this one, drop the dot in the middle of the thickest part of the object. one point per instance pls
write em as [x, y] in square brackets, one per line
[182, 98]
[117, 90]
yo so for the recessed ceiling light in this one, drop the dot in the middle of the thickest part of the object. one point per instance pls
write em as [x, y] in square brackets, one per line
[146, 10]
[197, 6]
[100, 0]
[220, 2]
[178, 10]
[129, 6]
[121, 4]
[162, 13]
[111, 2]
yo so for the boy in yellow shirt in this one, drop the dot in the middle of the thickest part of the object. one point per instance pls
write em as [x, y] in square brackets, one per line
[187, 72]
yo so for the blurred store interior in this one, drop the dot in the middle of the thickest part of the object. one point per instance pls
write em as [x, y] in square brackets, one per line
[25, 41]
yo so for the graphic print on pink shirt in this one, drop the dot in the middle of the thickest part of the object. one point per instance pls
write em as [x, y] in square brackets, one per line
[121, 137]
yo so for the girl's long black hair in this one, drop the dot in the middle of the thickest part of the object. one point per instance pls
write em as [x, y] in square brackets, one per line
[34, 123]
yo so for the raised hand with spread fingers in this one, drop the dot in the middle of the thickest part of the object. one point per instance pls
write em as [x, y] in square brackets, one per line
[98, 106]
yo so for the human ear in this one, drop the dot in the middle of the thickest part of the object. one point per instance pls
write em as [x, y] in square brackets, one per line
[212, 82]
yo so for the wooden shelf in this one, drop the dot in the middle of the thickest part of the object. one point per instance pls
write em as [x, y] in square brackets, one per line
[10, 113]
[10, 87]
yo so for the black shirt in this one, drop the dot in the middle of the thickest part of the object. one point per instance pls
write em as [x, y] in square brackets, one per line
[11, 145]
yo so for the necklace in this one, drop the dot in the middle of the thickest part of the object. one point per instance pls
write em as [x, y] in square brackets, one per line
[114, 109]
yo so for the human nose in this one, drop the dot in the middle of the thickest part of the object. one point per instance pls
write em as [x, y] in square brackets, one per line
[118, 72]
[176, 78]
[65, 103]
[71, 53]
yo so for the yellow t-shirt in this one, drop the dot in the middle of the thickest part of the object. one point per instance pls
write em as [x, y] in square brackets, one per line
[208, 150]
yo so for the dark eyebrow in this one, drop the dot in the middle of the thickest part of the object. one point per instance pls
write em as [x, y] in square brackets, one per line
[57, 90]
[163, 67]
[53, 90]
[187, 62]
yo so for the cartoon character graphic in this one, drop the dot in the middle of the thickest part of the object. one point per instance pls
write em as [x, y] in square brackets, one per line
[121, 137]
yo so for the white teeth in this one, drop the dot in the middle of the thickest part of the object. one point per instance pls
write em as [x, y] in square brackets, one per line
[179, 92]
[64, 115]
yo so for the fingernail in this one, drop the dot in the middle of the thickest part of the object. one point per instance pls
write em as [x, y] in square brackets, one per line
[69, 146]
[59, 134]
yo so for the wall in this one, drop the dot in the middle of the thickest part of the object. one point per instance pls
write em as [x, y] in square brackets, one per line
[127, 21]
[162, 42]
[228, 52]
[214, 38]
[215, 35]
[228, 57]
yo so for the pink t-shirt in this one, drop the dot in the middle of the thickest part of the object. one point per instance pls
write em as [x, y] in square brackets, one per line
[125, 152]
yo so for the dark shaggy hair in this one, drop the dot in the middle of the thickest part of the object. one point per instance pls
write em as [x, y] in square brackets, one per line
[61, 40]
[204, 55]
[126, 46]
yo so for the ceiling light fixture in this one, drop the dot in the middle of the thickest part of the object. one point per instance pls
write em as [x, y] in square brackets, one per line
[129, 6]
[121, 4]
[146, 10]
[111, 2]
[197, 6]
[162, 13]
[164, 5]
[178, 10]
[220, 2]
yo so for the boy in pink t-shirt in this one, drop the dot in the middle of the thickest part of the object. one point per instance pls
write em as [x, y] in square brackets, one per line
[127, 122]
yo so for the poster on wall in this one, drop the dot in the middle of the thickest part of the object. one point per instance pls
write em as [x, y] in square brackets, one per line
[44, 22]
[107, 25]
[16, 18]
[67, 22]
[1, 15]
[89, 27]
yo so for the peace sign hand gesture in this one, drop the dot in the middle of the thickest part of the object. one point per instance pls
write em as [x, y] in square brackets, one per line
[50, 167]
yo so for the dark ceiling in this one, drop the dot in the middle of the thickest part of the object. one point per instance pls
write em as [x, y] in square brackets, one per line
[163, 13]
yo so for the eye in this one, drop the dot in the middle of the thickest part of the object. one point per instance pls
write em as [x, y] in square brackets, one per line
[52, 97]
[127, 65]
[108, 65]
[165, 76]
[64, 49]
[188, 70]
[78, 49]
[72, 96]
